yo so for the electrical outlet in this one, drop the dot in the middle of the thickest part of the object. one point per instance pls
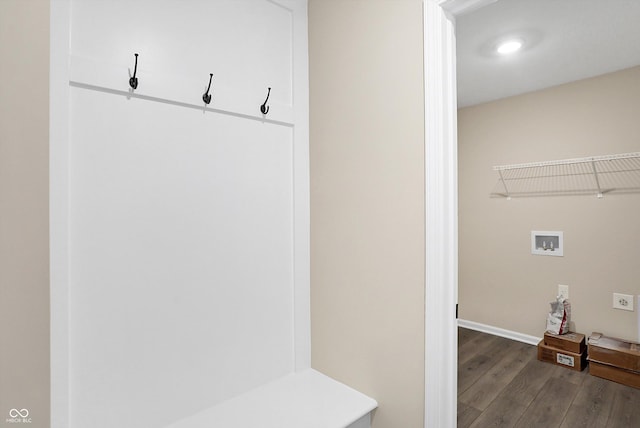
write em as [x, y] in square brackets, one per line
[563, 290]
[623, 301]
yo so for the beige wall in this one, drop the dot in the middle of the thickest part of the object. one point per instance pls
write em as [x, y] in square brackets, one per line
[24, 229]
[367, 201]
[500, 283]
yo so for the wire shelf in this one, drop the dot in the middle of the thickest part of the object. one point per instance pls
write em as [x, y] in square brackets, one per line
[596, 175]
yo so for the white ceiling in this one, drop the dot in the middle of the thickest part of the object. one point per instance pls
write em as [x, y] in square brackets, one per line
[565, 40]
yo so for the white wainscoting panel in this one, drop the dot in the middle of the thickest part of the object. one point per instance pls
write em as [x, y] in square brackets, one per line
[187, 236]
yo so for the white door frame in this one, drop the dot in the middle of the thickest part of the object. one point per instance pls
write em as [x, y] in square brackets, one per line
[441, 210]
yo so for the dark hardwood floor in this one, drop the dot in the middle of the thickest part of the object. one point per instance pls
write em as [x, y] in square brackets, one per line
[501, 383]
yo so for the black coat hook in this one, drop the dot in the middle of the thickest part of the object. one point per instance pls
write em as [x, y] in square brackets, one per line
[133, 82]
[206, 97]
[264, 108]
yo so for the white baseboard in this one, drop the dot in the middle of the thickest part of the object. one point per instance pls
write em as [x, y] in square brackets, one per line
[497, 331]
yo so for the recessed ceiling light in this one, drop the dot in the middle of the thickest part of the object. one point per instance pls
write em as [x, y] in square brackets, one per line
[509, 47]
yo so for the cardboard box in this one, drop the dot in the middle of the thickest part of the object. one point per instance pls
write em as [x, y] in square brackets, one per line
[625, 377]
[614, 352]
[614, 359]
[572, 342]
[570, 360]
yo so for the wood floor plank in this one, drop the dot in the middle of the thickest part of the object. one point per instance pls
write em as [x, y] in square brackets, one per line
[524, 388]
[625, 410]
[466, 415]
[539, 395]
[475, 345]
[567, 375]
[550, 405]
[592, 405]
[489, 385]
[470, 371]
[504, 412]
[513, 400]
[465, 334]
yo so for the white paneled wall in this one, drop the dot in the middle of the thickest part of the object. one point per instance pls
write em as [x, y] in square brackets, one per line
[188, 224]
[181, 256]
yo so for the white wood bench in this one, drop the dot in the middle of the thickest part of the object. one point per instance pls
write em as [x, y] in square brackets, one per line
[307, 399]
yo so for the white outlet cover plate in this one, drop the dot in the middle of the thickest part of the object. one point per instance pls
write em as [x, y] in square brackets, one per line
[623, 301]
[563, 290]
